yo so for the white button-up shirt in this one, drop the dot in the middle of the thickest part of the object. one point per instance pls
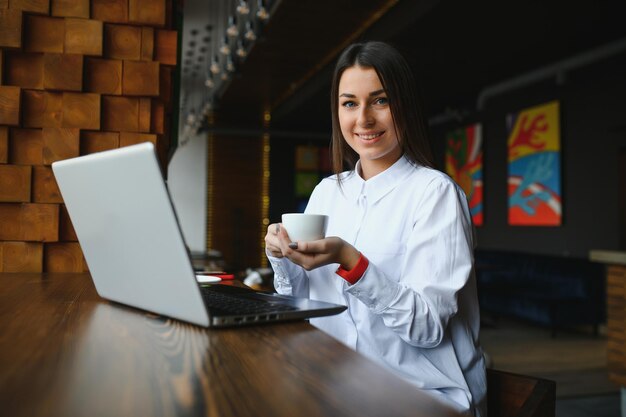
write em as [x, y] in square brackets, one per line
[415, 309]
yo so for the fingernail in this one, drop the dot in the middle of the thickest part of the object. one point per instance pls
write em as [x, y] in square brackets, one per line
[277, 228]
[293, 245]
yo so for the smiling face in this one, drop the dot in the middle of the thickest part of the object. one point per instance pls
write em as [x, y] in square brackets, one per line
[366, 121]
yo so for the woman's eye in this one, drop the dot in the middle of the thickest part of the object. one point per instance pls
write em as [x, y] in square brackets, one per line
[348, 104]
[381, 100]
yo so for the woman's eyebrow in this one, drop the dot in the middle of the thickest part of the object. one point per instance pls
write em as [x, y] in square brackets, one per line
[373, 93]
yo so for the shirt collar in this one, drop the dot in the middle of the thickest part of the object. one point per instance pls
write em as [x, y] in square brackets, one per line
[379, 185]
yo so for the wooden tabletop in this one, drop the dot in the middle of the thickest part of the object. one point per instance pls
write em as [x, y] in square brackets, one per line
[66, 352]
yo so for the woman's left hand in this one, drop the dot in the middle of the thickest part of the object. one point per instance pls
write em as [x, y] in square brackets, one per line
[316, 253]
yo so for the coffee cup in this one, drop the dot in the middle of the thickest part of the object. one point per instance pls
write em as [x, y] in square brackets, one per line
[302, 227]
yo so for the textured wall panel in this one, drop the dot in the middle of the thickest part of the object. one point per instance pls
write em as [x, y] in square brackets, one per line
[21, 257]
[15, 183]
[59, 144]
[63, 72]
[45, 188]
[26, 147]
[122, 42]
[115, 11]
[103, 76]
[43, 34]
[10, 98]
[29, 222]
[42, 108]
[10, 28]
[81, 110]
[91, 142]
[70, 8]
[83, 37]
[24, 70]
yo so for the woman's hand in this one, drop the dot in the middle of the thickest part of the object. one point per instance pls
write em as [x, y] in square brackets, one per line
[272, 241]
[313, 254]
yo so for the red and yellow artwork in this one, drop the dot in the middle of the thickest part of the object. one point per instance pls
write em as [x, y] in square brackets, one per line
[464, 164]
[534, 178]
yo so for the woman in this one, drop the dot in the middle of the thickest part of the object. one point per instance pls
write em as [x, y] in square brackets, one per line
[400, 247]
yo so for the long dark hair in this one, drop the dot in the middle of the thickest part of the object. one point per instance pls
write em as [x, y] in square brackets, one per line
[397, 79]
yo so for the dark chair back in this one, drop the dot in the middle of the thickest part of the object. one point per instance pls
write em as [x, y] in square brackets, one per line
[515, 395]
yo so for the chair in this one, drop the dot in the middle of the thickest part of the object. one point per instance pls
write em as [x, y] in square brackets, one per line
[515, 395]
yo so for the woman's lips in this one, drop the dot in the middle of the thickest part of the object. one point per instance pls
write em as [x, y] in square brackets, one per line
[369, 136]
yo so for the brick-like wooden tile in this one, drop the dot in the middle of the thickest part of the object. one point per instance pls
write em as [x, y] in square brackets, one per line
[103, 76]
[4, 144]
[83, 36]
[81, 110]
[15, 183]
[131, 138]
[26, 146]
[145, 114]
[29, 222]
[43, 34]
[141, 78]
[10, 28]
[42, 108]
[147, 12]
[120, 114]
[147, 43]
[63, 257]
[21, 257]
[122, 42]
[165, 46]
[59, 144]
[66, 228]
[24, 69]
[4, 4]
[10, 98]
[45, 188]
[157, 116]
[70, 8]
[92, 142]
[165, 87]
[114, 11]
[63, 72]
[35, 6]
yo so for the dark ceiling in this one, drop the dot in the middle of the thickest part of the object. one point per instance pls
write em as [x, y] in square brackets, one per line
[457, 49]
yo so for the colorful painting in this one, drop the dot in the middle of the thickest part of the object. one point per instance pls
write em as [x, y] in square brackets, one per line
[305, 183]
[307, 158]
[535, 166]
[464, 164]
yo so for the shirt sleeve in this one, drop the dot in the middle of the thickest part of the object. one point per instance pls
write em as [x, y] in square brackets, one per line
[289, 278]
[436, 266]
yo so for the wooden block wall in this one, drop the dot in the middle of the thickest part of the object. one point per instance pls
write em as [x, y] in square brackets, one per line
[616, 323]
[76, 77]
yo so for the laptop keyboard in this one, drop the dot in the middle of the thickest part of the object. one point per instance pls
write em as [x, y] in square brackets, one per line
[240, 304]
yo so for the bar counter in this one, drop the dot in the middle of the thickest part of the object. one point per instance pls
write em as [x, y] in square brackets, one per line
[64, 351]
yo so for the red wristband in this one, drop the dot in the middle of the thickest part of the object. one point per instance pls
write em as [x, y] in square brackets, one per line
[354, 274]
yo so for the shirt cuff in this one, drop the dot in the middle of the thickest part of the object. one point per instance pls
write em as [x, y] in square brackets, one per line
[374, 290]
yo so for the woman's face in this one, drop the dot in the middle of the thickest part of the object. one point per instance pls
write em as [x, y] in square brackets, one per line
[366, 121]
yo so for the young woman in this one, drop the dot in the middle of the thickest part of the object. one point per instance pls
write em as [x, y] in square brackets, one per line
[400, 247]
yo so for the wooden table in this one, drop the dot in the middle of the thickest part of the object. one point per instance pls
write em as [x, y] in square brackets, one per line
[66, 352]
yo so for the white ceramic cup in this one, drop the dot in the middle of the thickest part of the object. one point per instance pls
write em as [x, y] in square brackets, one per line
[305, 227]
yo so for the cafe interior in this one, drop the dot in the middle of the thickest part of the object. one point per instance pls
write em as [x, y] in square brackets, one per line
[235, 97]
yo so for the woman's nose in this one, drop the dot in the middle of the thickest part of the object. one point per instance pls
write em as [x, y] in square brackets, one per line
[366, 118]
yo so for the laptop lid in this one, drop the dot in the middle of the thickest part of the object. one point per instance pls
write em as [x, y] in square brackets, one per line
[132, 242]
[128, 231]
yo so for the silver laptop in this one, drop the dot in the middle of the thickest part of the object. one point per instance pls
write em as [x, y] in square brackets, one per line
[127, 228]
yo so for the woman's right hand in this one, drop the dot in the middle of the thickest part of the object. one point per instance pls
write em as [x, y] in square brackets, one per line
[272, 241]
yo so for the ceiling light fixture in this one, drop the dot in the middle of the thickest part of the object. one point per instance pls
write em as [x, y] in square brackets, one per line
[241, 51]
[243, 9]
[215, 66]
[249, 35]
[232, 30]
[225, 47]
[262, 12]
